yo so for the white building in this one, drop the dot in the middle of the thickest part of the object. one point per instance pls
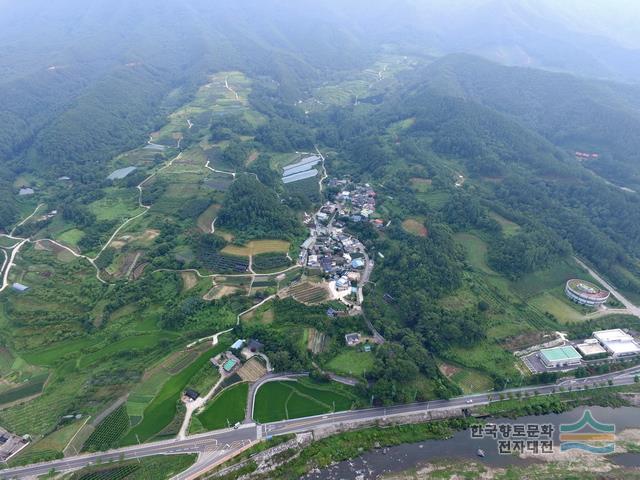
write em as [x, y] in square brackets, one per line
[617, 342]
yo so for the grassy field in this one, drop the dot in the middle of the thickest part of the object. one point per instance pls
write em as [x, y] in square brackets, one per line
[256, 247]
[161, 410]
[71, 237]
[294, 399]
[555, 276]
[351, 362]
[116, 205]
[227, 408]
[415, 226]
[476, 251]
[509, 228]
[561, 308]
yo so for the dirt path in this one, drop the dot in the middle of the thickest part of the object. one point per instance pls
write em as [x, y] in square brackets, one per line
[26, 219]
[207, 165]
[324, 171]
[226, 85]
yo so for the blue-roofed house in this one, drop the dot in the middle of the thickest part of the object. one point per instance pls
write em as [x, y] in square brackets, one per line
[357, 263]
[237, 345]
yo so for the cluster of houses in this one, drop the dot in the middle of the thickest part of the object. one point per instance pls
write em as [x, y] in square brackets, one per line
[356, 201]
[339, 256]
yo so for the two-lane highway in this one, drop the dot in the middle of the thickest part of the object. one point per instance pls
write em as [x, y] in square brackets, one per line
[217, 445]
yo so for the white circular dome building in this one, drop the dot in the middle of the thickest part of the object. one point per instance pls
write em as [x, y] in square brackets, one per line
[586, 293]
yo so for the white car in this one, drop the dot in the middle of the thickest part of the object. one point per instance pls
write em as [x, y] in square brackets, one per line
[469, 401]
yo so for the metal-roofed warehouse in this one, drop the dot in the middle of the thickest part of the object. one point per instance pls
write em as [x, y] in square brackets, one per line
[560, 356]
[617, 342]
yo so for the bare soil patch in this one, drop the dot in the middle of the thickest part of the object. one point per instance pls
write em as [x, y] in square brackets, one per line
[415, 227]
[448, 370]
[189, 280]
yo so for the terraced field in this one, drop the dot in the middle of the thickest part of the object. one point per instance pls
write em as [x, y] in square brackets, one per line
[307, 292]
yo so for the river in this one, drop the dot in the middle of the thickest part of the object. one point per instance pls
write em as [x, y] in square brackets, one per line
[461, 447]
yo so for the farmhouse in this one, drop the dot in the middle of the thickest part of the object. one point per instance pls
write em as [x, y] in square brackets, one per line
[237, 345]
[190, 395]
[617, 342]
[26, 191]
[560, 357]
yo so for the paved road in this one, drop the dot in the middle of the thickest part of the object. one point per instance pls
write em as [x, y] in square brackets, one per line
[633, 310]
[218, 444]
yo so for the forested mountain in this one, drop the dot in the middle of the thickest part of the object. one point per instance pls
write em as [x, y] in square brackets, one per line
[577, 114]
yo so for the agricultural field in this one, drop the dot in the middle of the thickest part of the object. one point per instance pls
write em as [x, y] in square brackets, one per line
[206, 218]
[282, 400]
[315, 340]
[160, 467]
[226, 408]
[107, 433]
[420, 185]
[225, 263]
[307, 292]
[225, 92]
[270, 262]
[307, 188]
[160, 411]
[469, 380]
[118, 204]
[352, 362]
[415, 226]
[258, 247]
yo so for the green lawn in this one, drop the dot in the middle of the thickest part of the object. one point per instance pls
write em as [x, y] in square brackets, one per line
[294, 399]
[476, 251]
[226, 408]
[71, 237]
[351, 362]
[159, 413]
[559, 308]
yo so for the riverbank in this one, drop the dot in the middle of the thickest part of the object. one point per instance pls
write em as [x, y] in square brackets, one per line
[333, 457]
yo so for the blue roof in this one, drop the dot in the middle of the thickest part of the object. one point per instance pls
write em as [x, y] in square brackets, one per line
[121, 173]
[19, 287]
[357, 263]
[299, 176]
[238, 344]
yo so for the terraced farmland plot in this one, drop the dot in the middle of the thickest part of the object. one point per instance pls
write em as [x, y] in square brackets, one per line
[309, 292]
[107, 433]
[268, 262]
[225, 263]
